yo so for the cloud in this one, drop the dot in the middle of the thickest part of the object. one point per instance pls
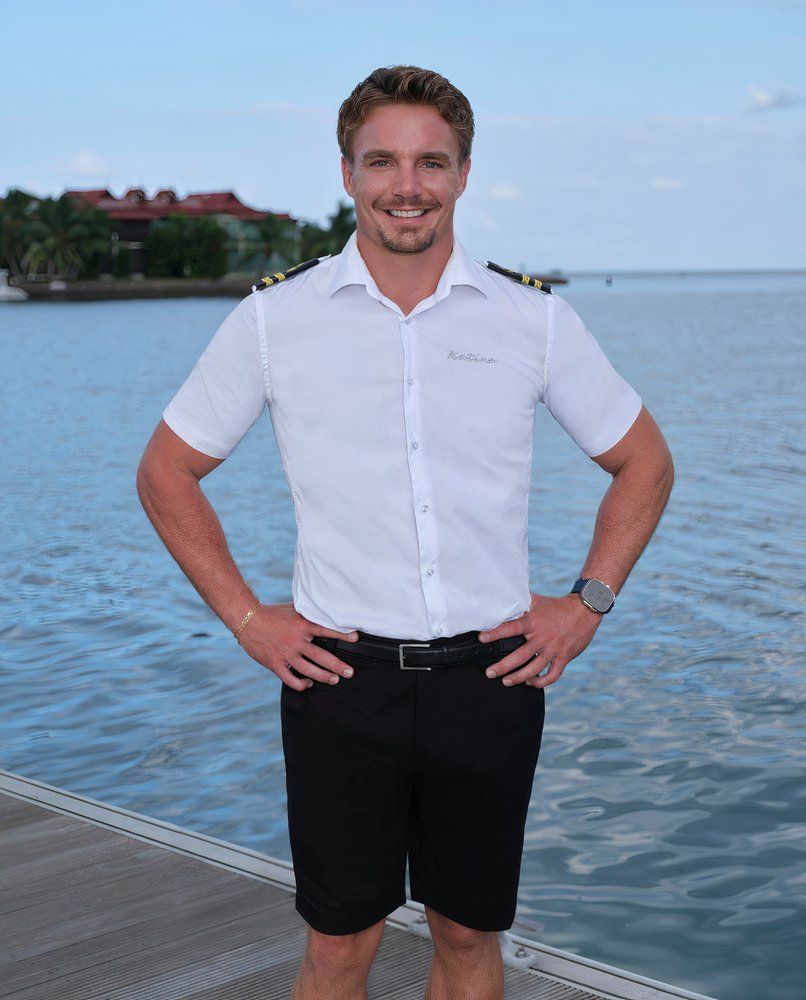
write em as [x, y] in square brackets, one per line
[505, 192]
[772, 98]
[665, 183]
[88, 164]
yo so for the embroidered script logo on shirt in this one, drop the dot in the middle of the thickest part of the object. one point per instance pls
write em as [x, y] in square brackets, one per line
[455, 356]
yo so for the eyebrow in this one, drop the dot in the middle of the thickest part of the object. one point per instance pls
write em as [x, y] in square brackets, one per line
[377, 154]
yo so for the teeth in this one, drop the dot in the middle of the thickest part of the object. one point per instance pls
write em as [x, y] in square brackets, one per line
[407, 215]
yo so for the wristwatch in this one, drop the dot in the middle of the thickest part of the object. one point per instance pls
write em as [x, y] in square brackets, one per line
[595, 595]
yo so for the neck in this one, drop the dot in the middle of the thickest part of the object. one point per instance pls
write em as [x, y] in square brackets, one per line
[406, 278]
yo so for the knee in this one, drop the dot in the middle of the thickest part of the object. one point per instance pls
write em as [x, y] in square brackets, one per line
[343, 952]
[450, 936]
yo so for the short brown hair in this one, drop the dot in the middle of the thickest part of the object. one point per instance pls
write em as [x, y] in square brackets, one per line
[405, 85]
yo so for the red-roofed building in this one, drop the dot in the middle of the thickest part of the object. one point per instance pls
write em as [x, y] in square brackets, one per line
[135, 213]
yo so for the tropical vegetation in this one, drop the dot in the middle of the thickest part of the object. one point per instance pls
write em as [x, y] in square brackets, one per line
[44, 238]
[186, 246]
[54, 236]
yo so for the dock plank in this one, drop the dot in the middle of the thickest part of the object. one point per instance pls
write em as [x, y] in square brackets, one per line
[229, 917]
[68, 914]
[15, 812]
[87, 911]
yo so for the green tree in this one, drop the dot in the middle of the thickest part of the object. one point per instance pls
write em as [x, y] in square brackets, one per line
[16, 210]
[317, 241]
[278, 236]
[342, 224]
[63, 237]
[182, 246]
[314, 241]
[58, 235]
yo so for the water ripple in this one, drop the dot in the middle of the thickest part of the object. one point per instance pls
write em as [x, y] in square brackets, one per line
[667, 827]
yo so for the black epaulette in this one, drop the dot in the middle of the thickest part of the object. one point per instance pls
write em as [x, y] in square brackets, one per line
[275, 279]
[524, 279]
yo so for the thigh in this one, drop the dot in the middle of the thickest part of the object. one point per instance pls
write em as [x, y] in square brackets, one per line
[347, 751]
[477, 748]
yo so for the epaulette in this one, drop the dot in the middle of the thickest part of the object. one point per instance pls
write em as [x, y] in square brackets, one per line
[274, 279]
[524, 279]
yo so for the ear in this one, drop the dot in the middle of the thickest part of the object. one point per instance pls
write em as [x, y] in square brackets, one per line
[347, 177]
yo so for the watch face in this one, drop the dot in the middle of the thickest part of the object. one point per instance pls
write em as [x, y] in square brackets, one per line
[597, 595]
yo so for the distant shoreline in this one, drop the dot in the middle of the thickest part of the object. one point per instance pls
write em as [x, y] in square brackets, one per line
[100, 290]
[702, 273]
[239, 286]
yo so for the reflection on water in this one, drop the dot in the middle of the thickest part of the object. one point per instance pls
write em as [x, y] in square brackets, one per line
[666, 831]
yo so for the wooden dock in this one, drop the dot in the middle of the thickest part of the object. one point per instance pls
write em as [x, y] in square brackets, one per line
[100, 902]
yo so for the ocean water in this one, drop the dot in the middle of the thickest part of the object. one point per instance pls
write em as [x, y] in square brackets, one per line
[667, 828]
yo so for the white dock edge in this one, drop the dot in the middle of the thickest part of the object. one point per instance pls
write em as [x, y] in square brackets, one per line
[562, 966]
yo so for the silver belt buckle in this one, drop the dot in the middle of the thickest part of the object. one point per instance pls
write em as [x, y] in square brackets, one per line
[403, 666]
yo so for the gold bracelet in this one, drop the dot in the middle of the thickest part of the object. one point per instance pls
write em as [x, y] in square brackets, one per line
[245, 622]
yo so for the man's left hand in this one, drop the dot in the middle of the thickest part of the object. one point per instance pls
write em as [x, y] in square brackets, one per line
[557, 629]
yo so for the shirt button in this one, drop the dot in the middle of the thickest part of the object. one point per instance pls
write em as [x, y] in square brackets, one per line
[410, 381]
[424, 507]
[415, 444]
[430, 572]
[438, 631]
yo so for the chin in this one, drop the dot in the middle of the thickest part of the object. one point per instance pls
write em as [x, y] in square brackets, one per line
[407, 242]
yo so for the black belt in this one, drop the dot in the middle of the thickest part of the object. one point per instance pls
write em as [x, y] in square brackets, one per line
[419, 655]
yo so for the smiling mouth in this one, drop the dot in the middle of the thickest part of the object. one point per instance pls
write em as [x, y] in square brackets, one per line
[407, 213]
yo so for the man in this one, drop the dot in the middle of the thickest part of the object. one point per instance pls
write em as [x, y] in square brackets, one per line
[401, 378]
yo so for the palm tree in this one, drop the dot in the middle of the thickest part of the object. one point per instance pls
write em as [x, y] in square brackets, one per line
[63, 235]
[16, 210]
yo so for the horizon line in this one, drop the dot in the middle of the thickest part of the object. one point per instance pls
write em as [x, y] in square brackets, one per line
[682, 272]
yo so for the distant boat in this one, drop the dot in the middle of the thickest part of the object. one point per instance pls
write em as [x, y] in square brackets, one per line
[609, 280]
[7, 292]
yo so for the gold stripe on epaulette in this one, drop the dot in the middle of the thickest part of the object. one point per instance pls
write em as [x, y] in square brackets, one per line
[523, 279]
[275, 279]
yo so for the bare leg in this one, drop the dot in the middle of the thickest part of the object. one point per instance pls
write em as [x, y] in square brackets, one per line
[467, 963]
[336, 966]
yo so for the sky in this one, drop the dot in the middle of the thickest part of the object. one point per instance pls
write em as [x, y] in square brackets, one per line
[609, 135]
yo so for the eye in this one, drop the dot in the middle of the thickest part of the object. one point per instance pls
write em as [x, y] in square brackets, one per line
[374, 163]
[434, 163]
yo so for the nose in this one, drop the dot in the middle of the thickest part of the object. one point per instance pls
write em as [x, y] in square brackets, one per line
[406, 182]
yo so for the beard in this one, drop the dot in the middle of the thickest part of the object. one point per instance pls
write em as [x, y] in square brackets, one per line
[412, 240]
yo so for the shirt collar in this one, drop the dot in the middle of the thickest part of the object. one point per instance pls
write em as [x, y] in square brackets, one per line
[351, 269]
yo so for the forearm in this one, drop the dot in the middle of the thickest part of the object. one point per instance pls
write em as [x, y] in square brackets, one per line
[186, 522]
[627, 517]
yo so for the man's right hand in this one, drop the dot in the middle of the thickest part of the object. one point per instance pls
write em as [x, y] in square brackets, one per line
[277, 636]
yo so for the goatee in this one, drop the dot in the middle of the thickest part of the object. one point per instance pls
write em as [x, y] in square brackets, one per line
[407, 243]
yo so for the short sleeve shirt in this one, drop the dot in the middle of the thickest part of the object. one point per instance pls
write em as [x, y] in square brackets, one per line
[406, 440]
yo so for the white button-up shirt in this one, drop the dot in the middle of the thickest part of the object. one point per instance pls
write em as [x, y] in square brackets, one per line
[406, 439]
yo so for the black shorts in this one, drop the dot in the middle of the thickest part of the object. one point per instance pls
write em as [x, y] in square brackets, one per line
[389, 765]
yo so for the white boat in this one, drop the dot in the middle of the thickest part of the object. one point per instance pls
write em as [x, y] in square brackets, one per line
[7, 292]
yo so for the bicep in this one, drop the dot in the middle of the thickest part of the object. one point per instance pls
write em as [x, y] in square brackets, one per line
[167, 452]
[643, 443]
